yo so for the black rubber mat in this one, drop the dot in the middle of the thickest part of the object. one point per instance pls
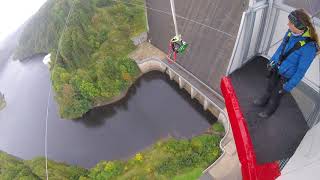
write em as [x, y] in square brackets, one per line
[278, 136]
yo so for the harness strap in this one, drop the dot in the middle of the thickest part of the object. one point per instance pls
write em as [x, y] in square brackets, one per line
[297, 46]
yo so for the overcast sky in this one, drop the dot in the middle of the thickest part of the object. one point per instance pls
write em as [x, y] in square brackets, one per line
[14, 13]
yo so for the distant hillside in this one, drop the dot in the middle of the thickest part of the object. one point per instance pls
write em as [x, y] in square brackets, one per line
[92, 66]
[42, 31]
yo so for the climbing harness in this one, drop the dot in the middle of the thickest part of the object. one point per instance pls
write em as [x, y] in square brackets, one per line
[272, 66]
[176, 44]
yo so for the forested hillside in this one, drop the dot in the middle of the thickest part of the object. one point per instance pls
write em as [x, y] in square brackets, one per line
[92, 66]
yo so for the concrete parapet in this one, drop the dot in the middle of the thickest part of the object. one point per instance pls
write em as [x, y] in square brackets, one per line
[2, 101]
[181, 82]
[151, 65]
[193, 92]
[171, 74]
[205, 104]
[227, 166]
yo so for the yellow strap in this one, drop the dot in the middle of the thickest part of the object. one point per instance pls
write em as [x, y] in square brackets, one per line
[302, 43]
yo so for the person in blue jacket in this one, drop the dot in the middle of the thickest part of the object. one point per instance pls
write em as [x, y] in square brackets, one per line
[290, 62]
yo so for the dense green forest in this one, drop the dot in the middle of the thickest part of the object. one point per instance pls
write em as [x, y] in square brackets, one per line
[167, 159]
[92, 66]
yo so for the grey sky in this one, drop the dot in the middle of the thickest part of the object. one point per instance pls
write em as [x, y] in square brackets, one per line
[14, 13]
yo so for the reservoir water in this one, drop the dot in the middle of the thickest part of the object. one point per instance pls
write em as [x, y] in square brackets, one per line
[155, 108]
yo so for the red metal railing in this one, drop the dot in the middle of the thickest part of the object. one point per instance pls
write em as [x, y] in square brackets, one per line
[250, 169]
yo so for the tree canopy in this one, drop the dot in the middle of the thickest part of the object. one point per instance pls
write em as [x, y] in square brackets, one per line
[92, 64]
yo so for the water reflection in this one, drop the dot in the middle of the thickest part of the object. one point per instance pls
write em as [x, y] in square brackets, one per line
[154, 108]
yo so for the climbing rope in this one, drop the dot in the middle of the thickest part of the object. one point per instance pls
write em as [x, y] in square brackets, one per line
[230, 36]
[173, 9]
[176, 44]
[49, 94]
[201, 24]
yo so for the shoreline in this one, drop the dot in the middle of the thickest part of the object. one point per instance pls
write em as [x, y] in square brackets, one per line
[142, 51]
[119, 97]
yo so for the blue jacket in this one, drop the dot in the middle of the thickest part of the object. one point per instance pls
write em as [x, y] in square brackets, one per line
[297, 63]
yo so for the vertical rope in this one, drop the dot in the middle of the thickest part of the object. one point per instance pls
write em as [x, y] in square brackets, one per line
[173, 9]
[49, 94]
[46, 135]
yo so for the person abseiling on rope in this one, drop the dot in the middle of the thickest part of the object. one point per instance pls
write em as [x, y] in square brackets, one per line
[290, 62]
[177, 46]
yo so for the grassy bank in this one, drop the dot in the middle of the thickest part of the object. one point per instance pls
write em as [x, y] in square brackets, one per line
[183, 159]
[12, 168]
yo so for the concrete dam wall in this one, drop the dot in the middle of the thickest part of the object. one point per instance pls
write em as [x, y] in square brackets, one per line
[210, 28]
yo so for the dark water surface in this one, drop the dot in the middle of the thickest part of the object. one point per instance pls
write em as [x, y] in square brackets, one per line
[153, 109]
